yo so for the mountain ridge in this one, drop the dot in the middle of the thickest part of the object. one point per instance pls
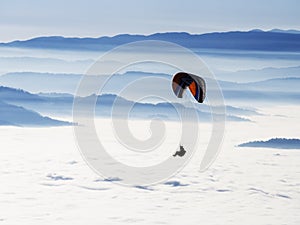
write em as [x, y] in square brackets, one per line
[277, 143]
[236, 40]
[13, 115]
[62, 105]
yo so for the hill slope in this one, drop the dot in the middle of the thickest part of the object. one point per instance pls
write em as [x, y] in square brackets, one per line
[19, 116]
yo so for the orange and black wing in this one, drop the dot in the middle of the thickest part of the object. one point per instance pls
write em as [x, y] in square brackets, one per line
[196, 85]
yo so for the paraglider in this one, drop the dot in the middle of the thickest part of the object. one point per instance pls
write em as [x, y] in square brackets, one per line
[181, 81]
[196, 85]
[181, 152]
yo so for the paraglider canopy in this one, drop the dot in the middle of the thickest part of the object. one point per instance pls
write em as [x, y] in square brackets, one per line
[195, 84]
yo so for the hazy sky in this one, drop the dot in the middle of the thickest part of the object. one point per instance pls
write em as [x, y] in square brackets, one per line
[21, 19]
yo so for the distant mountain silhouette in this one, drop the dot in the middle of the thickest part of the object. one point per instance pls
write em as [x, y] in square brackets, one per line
[20, 63]
[279, 143]
[287, 84]
[18, 116]
[255, 75]
[41, 82]
[283, 90]
[279, 90]
[66, 83]
[13, 94]
[61, 104]
[235, 40]
[290, 31]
